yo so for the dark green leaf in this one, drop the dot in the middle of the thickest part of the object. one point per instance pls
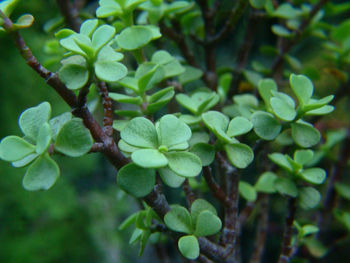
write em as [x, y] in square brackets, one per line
[308, 198]
[266, 183]
[286, 187]
[205, 152]
[305, 135]
[265, 125]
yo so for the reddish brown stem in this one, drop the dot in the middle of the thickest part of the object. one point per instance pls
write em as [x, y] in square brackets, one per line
[107, 108]
[217, 191]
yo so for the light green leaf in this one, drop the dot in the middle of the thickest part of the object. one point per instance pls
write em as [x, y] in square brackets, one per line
[199, 206]
[190, 74]
[178, 219]
[88, 27]
[41, 174]
[125, 98]
[130, 83]
[134, 37]
[173, 131]
[127, 148]
[302, 157]
[240, 155]
[265, 125]
[184, 163]
[266, 183]
[136, 180]
[302, 87]
[107, 53]
[149, 158]
[159, 99]
[69, 44]
[281, 160]
[343, 190]
[33, 118]
[108, 8]
[239, 126]
[205, 152]
[207, 224]
[57, 123]
[215, 120]
[282, 109]
[286, 11]
[247, 191]
[189, 247]
[140, 132]
[313, 175]
[265, 87]
[198, 137]
[110, 71]
[14, 148]
[44, 138]
[321, 111]
[102, 36]
[24, 21]
[170, 178]
[305, 135]
[25, 161]
[281, 31]
[73, 139]
[74, 76]
[286, 187]
[308, 198]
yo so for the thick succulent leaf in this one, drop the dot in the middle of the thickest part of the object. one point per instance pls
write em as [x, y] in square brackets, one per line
[305, 135]
[85, 44]
[74, 76]
[308, 198]
[69, 44]
[257, 3]
[41, 174]
[149, 158]
[286, 187]
[302, 157]
[205, 151]
[265, 125]
[162, 57]
[107, 53]
[239, 154]
[127, 148]
[44, 138]
[140, 132]
[313, 175]
[189, 247]
[74, 139]
[170, 178]
[136, 180]
[24, 21]
[184, 163]
[316, 104]
[110, 71]
[247, 191]
[129, 83]
[102, 36]
[239, 126]
[14, 148]
[215, 120]
[302, 87]
[25, 161]
[283, 110]
[33, 118]
[266, 183]
[199, 206]
[88, 27]
[186, 102]
[173, 131]
[281, 160]
[160, 99]
[190, 74]
[57, 123]
[108, 8]
[199, 137]
[125, 98]
[134, 37]
[207, 224]
[321, 111]
[178, 219]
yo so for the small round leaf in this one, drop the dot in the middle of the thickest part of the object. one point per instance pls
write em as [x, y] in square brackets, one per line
[207, 224]
[305, 135]
[14, 148]
[239, 154]
[149, 158]
[178, 219]
[265, 125]
[189, 247]
[184, 163]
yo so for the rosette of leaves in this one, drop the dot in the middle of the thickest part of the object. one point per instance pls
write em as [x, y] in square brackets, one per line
[162, 147]
[24, 21]
[90, 53]
[293, 184]
[283, 112]
[202, 221]
[239, 154]
[147, 75]
[65, 134]
[200, 101]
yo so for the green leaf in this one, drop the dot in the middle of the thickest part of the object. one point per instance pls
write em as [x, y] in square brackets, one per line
[71, 45]
[286, 187]
[102, 36]
[24, 21]
[189, 247]
[321, 111]
[25, 161]
[198, 137]
[302, 87]
[305, 135]
[14, 148]
[190, 74]
[343, 190]
[128, 113]
[239, 126]
[41, 174]
[286, 11]
[162, 57]
[33, 118]
[205, 152]
[199, 206]
[149, 158]
[84, 43]
[7, 6]
[74, 76]
[125, 98]
[57, 123]
[127, 148]
[313, 175]
[134, 37]
[265, 87]
[159, 99]
[265, 125]
[44, 138]
[266, 183]
[130, 83]
[281, 160]
[73, 139]
[257, 3]
[207, 224]
[110, 71]
[170, 178]
[140, 132]
[173, 131]
[309, 230]
[247, 191]
[147, 76]
[308, 198]
[178, 219]
[88, 27]
[240, 155]
[281, 31]
[302, 157]
[136, 180]
[184, 163]
[215, 120]
[282, 109]
[107, 53]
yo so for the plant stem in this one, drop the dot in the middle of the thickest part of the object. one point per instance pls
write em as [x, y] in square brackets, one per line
[70, 14]
[107, 108]
[217, 191]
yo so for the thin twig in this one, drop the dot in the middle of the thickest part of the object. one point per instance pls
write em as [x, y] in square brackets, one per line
[70, 14]
[217, 191]
[107, 108]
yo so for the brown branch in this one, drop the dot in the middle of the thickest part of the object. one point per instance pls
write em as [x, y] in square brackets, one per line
[288, 232]
[97, 147]
[217, 191]
[70, 14]
[107, 108]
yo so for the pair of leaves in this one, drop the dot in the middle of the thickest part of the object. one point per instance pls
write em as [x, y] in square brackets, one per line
[200, 101]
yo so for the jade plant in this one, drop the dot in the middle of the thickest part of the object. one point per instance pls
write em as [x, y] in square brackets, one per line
[232, 136]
